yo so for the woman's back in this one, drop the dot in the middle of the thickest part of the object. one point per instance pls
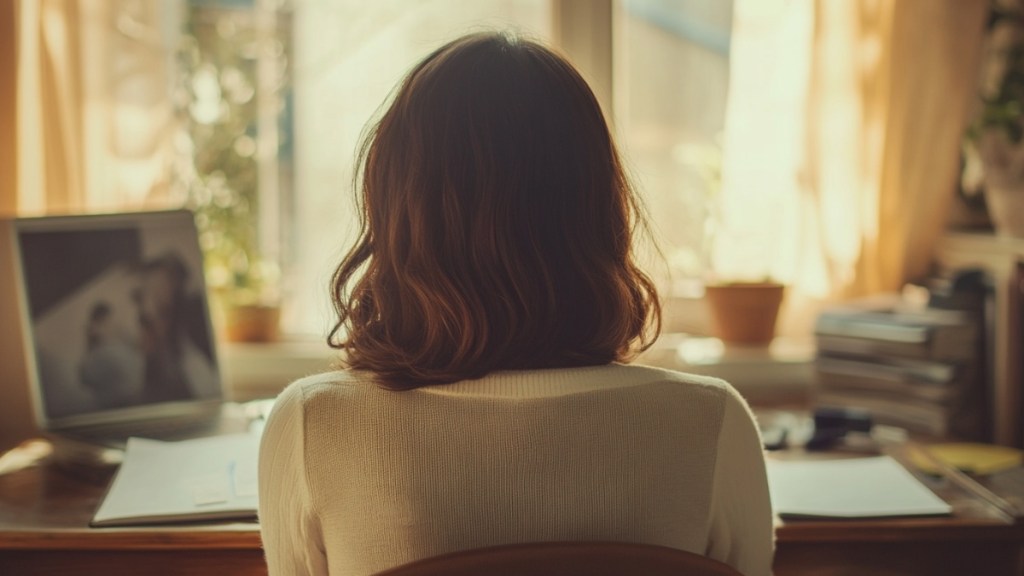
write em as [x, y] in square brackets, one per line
[482, 313]
[621, 453]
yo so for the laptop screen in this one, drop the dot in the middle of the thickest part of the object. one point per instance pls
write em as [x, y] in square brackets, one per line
[116, 317]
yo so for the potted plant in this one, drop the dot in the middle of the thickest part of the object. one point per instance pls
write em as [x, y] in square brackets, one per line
[219, 169]
[996, 135]
[742, 312]
[242, 283]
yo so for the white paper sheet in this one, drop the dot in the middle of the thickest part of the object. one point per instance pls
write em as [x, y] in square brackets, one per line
[204, 478]
[849, 488]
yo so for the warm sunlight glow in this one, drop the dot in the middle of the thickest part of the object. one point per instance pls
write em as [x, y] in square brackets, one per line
[804, 143]
[763, 171]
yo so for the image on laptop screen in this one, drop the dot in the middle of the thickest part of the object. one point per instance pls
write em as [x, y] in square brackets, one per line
[116, 311]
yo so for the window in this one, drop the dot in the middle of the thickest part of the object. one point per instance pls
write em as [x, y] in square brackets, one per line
[348, 56]
[252, 111]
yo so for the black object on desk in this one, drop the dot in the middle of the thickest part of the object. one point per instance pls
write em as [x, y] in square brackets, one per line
[831, 425]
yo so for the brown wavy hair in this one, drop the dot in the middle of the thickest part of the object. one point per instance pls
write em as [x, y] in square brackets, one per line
[497, 225]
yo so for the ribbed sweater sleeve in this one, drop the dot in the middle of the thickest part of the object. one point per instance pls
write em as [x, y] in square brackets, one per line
[740, 531]
[292, 539]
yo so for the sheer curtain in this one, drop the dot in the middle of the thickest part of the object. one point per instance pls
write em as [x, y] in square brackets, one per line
[94, 122]
[842, 140]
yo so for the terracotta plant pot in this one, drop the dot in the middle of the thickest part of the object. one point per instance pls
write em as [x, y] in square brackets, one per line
[744, 312]
[251, 323]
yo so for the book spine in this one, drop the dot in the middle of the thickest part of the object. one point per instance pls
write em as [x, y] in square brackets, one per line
[867, 347]
[856, 326]
[924, 418]
[938, 393]
[894, 369]
[931, 333]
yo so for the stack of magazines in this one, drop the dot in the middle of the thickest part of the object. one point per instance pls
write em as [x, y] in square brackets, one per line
[921, 369]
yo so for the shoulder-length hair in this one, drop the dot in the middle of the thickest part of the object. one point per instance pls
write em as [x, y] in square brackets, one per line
[497, 225]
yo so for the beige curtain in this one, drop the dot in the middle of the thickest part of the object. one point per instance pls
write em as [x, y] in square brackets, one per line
[8, 112]
[94, 122]
[49, 96]
[842, 141]
[919, 99]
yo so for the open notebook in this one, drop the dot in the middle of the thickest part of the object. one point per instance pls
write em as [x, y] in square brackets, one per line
[200, 479]
[871, 487]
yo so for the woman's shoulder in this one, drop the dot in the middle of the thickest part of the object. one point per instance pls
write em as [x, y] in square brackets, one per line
[317, 387]
[685, 383]
[334, 378]
[670, 375]
[640, 373]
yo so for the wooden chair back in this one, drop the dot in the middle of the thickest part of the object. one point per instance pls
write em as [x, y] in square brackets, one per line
[567, 559]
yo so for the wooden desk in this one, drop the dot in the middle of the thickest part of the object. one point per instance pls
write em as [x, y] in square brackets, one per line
[44, 529]
[45, 510]
[978, 538]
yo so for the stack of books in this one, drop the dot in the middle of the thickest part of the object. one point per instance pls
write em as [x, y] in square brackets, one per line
[919, 369]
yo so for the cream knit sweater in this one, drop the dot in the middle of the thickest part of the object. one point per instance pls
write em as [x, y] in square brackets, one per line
[355, 479]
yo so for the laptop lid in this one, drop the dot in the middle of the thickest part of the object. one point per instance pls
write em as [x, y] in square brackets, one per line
[115, 318]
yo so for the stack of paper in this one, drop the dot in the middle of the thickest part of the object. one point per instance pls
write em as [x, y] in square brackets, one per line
[849, 488]
[201, 479]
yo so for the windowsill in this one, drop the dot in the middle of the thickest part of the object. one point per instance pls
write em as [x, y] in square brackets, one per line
[777, 375]
[780, 374]
[253, 371]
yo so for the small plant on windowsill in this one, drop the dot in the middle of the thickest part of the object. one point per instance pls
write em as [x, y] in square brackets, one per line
[742, 312]
[243, 285]
[705, 162]
[218, 171]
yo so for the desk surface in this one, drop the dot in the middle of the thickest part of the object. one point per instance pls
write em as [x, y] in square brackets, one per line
[45, 511]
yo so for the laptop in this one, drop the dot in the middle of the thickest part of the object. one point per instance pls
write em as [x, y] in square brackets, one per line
[116, 326]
